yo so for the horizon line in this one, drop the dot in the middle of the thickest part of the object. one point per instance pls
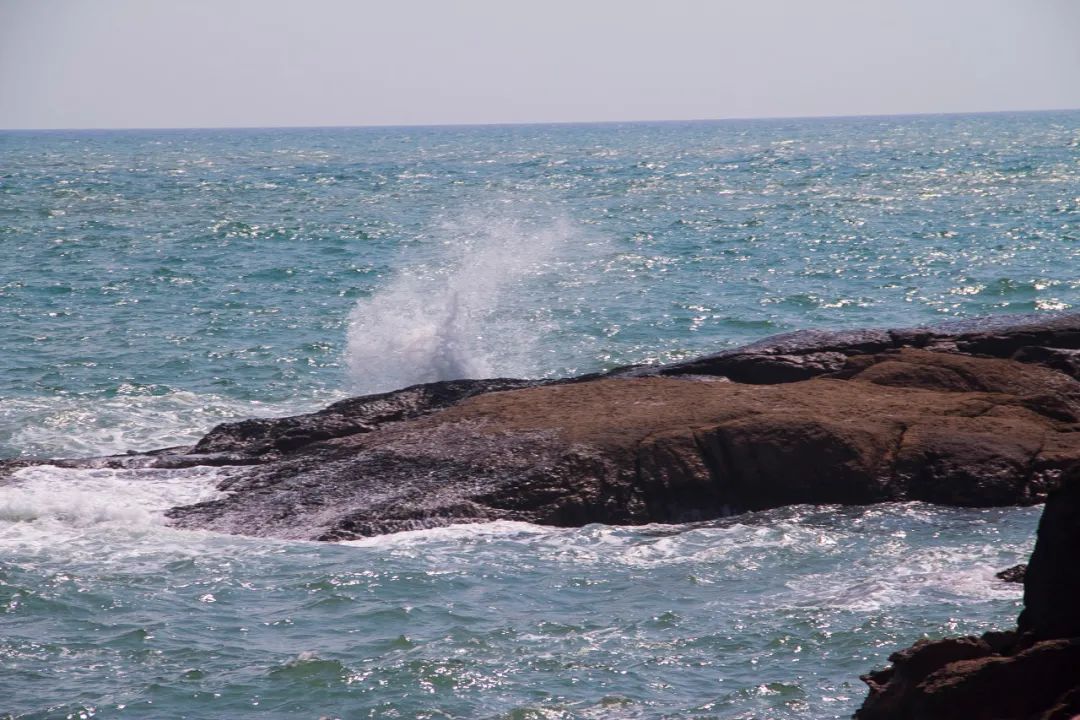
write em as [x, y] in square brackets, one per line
[387, 126]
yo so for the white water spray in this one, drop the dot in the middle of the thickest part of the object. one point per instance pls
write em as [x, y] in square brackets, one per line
[469, 314]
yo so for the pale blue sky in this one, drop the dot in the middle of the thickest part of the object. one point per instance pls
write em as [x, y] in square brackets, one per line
[210, 63]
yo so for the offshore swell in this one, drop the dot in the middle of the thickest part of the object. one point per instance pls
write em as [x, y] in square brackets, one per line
[244, 292]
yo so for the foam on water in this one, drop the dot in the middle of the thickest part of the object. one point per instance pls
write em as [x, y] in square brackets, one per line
[460, 534]
[46, 503]
[900, 572]
[771, 614]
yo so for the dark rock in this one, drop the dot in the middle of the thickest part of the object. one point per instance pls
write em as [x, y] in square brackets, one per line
[762, 369]
[894, 688]
[937, 414]
[1039, 339]
[347, 417]
[967, 430]
[1002, 642]
[1040, 681]
[1067, 361]
[1015, 574]
[1052, 580]
[1033, 672]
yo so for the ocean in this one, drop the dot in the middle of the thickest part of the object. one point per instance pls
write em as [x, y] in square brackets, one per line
[155, 283]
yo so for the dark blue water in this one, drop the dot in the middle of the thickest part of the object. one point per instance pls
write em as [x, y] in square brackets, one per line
[153, 284]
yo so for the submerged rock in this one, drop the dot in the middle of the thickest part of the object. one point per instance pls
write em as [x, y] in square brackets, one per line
[983, 413]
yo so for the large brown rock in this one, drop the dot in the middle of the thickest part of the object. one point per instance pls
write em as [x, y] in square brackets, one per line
[974, 413]
[901, 425]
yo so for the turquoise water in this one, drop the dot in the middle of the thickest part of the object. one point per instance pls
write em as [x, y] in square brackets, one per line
[155, 283]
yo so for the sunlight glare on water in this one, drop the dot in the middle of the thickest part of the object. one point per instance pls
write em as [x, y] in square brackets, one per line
[156, 283]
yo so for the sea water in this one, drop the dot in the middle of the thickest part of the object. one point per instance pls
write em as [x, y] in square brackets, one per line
[154, 283]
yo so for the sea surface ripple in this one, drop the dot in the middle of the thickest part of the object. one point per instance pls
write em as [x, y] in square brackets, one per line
[108, 614]
[192, 276]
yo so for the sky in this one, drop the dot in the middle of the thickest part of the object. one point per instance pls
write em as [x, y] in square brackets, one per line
[248, 63]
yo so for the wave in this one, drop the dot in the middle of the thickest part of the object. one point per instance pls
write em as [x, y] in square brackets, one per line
[822, 542]
[46, 506]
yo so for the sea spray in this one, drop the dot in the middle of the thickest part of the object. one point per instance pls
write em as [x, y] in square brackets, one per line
[465, 314]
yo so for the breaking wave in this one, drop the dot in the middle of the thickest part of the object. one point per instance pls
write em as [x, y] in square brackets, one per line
[102, 512]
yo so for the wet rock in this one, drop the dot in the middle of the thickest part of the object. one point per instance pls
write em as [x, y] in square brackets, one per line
[903, 425]
[1033, 672]
[1014, 574]
[941, 414]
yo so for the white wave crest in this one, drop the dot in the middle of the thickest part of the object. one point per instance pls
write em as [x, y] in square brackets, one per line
[465, 315]
[459, 534]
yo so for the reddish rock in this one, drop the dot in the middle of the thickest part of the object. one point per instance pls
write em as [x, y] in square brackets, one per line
[1041, 681]
[903, 425]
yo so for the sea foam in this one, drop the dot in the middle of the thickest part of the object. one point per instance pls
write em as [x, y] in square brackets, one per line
[94, 424]
[46, 501]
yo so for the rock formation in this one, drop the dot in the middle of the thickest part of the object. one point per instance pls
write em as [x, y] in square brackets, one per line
[1030, 673]
[1014, 574]
[975, 413]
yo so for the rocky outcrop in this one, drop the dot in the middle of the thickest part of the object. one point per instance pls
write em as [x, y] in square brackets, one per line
[353, 416]
[1052, 580]
[901, 425]
[1014, 574]
[965, 678]
[1033, 672]
[971, 414]
[1050, 340]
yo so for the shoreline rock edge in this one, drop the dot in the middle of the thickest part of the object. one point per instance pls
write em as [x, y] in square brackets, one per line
[1032, 672]
[982, 412]
[975, 413]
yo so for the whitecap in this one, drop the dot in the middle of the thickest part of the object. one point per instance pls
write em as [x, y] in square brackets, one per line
[46, 505]
[134, 418]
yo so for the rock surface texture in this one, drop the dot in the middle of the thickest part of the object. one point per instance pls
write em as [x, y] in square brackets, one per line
[1032, 672]
[979, 413]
